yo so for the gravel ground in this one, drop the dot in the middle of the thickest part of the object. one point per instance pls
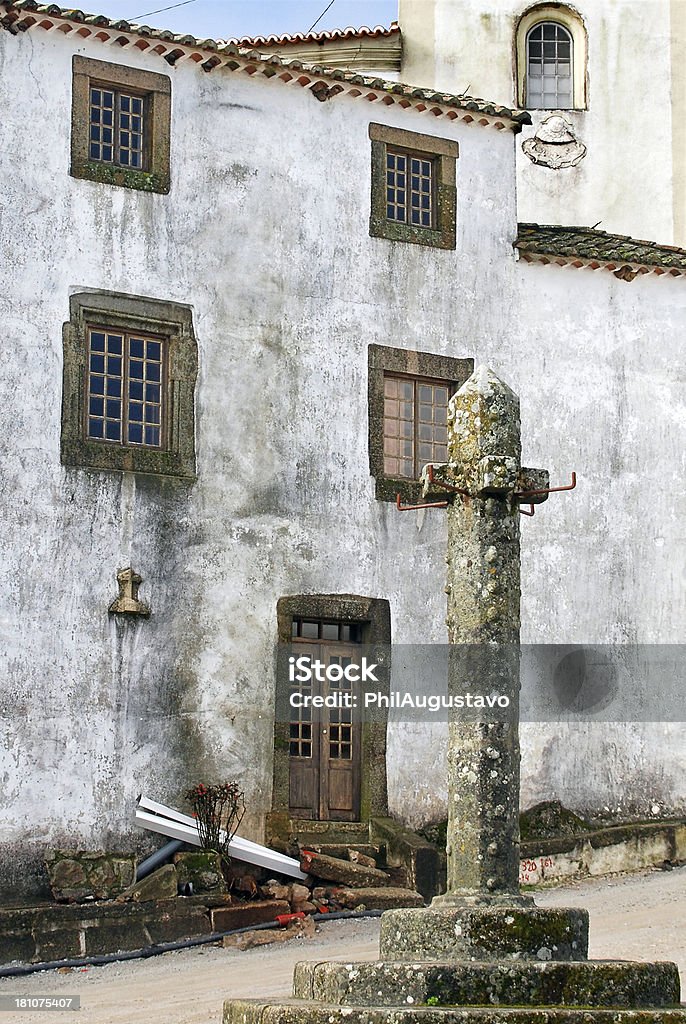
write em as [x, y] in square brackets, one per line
[641, 917]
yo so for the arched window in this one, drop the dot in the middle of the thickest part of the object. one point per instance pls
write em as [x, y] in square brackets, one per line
[551, 58]
[549, 64]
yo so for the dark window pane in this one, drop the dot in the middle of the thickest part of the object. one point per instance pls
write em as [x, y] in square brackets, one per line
[97, 363]
[114, 365]
[114, 344]
[114, 387]
[113, 409]
[95, 428]
[96, 406]
[97, 385]
[329, 631]
[136, 347]
[136, 433]
[153, 371]
[97, 341]
[113, 431]
[136, 369]
[309, 630]
[136, 411]
[136, 389]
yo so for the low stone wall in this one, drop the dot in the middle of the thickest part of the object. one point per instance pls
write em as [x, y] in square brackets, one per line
[604, 852]
[60, 932]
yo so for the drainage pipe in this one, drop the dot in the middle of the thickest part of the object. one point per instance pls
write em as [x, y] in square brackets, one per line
[161, 856]
[19, 970]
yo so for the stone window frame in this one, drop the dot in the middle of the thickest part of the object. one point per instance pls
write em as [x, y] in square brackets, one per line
[131, 313]
[569, 19]
[444, 154]
[429, 365]
[374, 616]
[156, 91]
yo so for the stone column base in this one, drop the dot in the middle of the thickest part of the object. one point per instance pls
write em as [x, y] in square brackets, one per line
[484, 933]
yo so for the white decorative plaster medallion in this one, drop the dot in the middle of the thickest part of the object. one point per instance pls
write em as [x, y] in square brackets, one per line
[554, 145]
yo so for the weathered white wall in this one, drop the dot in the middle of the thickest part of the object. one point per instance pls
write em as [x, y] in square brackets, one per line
[265, 233]
[633, 124]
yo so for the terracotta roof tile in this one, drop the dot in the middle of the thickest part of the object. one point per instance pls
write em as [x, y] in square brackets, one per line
[257, 42]
[23, 15]
[583, 246]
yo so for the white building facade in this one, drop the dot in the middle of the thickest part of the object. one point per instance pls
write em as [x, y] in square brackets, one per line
[614, 71]
[236, 261]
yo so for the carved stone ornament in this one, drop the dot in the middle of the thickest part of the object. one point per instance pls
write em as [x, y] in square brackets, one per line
[554, 145]
[127, 603]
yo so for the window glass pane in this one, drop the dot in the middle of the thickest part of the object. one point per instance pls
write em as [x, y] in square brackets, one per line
[549, 79]
[329, 631]
[309, 630]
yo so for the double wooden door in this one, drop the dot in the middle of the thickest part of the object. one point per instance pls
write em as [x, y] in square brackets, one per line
[325, 742]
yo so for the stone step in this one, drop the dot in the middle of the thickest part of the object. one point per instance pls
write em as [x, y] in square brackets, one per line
[340, 850]
[603, 983]
[347, 832]
[257, 1011]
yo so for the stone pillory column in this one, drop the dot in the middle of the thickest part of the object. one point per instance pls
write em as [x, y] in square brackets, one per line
[484, 450]
[483, 903]
[483, 953]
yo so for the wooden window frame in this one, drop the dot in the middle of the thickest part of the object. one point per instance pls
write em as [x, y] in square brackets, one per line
[443, 154]
[155, 90]
[126, 314]
[569, 19]
[383, 362]
[127, 337]
[416, 440]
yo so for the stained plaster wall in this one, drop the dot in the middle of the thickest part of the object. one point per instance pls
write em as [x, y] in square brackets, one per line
[633, 122]
[265, 233]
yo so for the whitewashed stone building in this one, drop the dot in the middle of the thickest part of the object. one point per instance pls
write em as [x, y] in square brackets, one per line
[209, 280]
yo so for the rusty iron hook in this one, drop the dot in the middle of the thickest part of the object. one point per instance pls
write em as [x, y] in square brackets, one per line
[548, 490]
[410, 508]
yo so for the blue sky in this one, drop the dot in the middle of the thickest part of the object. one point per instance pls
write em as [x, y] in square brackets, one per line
[221, 19]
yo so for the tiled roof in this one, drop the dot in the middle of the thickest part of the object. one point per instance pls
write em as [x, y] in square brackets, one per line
[588, 247]
[325, 83]
[259, 42]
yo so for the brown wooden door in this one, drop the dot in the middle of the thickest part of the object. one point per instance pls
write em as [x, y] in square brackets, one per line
[325, 743]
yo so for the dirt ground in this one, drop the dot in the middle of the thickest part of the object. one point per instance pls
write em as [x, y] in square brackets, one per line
[642, 917]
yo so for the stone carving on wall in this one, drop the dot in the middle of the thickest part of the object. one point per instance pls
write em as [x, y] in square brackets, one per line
[127, 603]
[554, 145]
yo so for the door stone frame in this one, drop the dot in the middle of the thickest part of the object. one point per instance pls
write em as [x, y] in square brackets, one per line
[374, 615]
